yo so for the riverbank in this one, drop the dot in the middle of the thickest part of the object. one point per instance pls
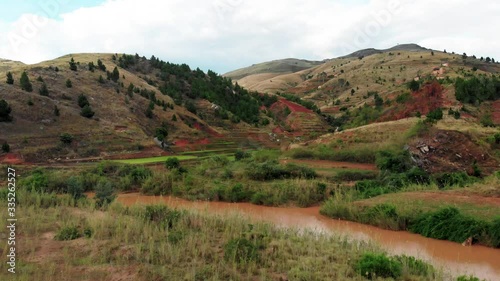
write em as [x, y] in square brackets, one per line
[64, 242]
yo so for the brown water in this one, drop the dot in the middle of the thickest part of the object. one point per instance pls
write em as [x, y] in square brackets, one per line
[454, 258]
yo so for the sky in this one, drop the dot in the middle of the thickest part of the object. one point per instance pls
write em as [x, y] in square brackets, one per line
[224, 35]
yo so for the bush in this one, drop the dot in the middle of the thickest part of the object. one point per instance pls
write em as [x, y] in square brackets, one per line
[240, 250]
[158, 184]
[444, 180]
[237, 194]
[75, 188]
[5, 147]
[239, 155]
[414, 266]
[82, 101]
[68, 233]
[162, 215]
[494, 233]
[394, 162]
[5, 111]
[25, 82]
[104, 193]
[448, 224]
[44, 91]
[87, 112]
[468, 278]
[372, 266]
[355, 175]
[66, 138]
[434, 115]
[69, 84]
[172, 163]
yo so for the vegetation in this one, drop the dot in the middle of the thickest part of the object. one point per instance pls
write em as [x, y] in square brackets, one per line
[5, 147]
[66, 138]
[10, 78]
[477, 89]
[5, 111]
[69, 84]
[87, 112]
[25, 82]
[72, 65]
[44, 91]
[164, 243]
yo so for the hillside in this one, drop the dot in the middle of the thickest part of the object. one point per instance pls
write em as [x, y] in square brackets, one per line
[276, 66]
[144, 99]
[349, 83]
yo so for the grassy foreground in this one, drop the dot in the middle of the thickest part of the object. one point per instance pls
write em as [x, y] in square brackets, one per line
[67, 240]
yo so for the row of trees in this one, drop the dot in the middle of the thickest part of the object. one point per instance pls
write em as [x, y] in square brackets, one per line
[477, 89]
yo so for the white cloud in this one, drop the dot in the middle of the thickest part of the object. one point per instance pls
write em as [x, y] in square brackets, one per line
[227, 34]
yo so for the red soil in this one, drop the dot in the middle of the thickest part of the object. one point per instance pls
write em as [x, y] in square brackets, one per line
[496, 112]
[295, 107]
[430, 97]
[11, 159]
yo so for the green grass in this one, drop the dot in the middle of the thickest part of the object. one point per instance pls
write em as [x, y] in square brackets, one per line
[150, 160]
[161, 243]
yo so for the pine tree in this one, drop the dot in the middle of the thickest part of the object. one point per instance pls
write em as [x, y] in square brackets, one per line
[91, 66]
[82, 101]
[10, 79]
[101, 65]
[101, 80]
[25, 82]
[115, 75]
[72, 65]
[69, 84]
[44, 91]
[87, 112]
[56, 111]
[5, 111]
[174, 118]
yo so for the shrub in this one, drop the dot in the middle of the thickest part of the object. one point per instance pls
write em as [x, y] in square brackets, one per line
[87, 112]
[69, 84]
[355, 175]
[372, 266]
[66, 138]
[448, 224]
[467, 278]
[104, 193]
[395, 162]
[414, 266]
[237, 194]
[172, 163]
[434, 115]
[444, 180]
[25, 82]
[162, 215]
[82, 101]
[44, 91]
[240, 154]
[5, 147]
[240, 250]
[67, 233]
[10, 79]
[72, 65]
[75, 188]
[158, 184]
[494, 233]
[5, 111]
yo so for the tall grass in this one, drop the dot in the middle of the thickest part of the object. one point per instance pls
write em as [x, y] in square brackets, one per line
[160, 243]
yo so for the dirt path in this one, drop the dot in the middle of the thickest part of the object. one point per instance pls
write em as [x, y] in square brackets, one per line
[331, 164]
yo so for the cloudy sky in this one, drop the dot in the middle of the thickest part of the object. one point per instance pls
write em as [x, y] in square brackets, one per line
[224, 35]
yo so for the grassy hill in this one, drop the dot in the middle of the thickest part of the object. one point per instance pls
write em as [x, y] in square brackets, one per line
[133, 100]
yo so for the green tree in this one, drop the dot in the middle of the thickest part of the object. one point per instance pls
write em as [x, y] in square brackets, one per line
[149, 112]
[100, 65]
[378, 101]
[104, 193]
[172, 163]
[130, 90]
[87, 112]
[25, 82]
[91, 66]
[72, 65]
[174, 118]
[66, 138]
[56, 111]
[5, 147]
[69, 84]
[44, 91]
[101, 80]
[5, 111]
[10, 79]
[82, 101]
[414, 85]
[115, 75]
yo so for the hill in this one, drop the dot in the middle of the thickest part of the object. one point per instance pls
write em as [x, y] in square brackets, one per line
[134, 104]
[276, 66]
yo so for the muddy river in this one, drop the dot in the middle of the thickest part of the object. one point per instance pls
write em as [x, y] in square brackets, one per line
[454, 258]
